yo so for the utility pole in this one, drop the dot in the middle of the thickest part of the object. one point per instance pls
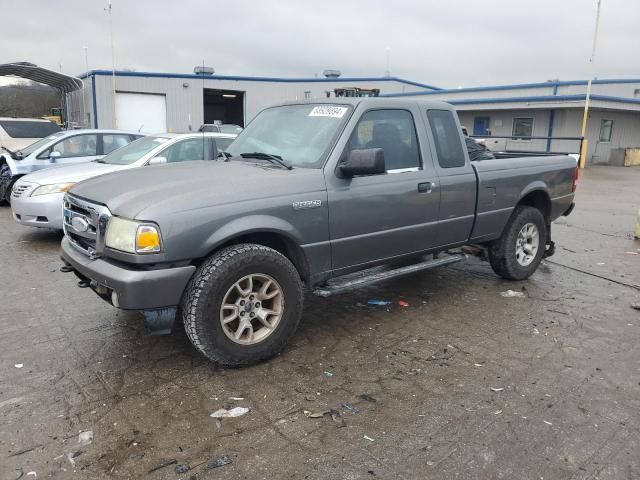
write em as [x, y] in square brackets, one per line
[84, 100]
[585, 115]
[113, 70]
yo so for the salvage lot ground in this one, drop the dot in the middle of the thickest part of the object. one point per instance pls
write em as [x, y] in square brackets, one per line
[411, 385]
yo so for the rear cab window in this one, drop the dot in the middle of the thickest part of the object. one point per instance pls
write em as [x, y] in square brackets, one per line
[28, 129]
[446, 138]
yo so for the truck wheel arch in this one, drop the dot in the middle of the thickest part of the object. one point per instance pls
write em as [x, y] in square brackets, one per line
[537, 198]
[268, 231]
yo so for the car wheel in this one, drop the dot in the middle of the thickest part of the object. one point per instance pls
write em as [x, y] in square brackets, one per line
[242, 305]
[518, 252]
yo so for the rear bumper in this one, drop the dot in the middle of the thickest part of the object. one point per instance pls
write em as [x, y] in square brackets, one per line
[40, 211]
[568, 211]
[133, 289]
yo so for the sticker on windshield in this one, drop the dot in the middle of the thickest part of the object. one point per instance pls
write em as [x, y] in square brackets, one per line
[328, 111]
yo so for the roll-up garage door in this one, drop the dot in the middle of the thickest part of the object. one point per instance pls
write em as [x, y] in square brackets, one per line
[141, 112]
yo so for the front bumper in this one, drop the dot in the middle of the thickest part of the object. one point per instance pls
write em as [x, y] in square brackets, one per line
[134, 289]
[40, 211]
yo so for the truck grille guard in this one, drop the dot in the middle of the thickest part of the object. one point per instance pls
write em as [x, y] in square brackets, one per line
[84, 224]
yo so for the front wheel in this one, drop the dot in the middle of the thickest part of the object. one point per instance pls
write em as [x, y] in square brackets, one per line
[518, 252]
[242, 305]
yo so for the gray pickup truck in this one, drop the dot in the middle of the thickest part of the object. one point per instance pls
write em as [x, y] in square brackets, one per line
[308, 193]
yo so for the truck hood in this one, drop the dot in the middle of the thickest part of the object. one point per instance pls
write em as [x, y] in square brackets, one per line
[71, 173]
[151, 192]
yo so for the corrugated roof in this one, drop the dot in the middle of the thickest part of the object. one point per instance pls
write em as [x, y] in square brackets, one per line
[60, 81]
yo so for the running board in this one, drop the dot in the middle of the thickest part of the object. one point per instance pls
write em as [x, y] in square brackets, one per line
[335, 289]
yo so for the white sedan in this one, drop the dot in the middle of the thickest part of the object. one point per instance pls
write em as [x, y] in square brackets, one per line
[36, 199]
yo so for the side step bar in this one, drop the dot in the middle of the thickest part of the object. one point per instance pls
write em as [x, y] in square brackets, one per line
[337, 288]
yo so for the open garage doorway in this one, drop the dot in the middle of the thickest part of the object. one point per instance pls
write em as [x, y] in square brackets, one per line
[223, 106]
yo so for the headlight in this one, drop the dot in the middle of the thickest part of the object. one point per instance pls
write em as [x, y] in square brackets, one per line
[53, 188]
[131, 236]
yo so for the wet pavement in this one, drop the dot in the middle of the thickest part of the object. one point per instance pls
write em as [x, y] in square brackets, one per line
[461, 383]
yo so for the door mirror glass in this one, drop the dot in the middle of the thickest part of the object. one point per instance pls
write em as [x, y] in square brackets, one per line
[157, 161]
[366, 161]
[54, 156]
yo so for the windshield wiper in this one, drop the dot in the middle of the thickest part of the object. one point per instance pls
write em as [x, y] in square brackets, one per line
[14, 155]
[277, 159]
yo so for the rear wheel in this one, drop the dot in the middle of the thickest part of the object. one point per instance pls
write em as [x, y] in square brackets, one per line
[242, 305]
[518, 252]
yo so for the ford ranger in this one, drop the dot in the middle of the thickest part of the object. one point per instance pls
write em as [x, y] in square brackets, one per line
[308, 193]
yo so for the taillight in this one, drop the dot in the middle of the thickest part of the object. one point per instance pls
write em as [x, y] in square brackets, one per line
[575, 180]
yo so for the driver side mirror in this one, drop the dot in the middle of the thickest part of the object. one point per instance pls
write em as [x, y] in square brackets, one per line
[368, 161]
[54, 156]
[157, 161]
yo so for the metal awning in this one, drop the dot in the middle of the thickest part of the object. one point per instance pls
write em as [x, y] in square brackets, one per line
[60, 81]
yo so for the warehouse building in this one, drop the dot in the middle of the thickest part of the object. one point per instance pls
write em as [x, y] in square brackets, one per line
[550, 109]
[154, 102]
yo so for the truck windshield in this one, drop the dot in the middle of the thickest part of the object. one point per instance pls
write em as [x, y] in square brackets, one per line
[134, 151]
[301, 135]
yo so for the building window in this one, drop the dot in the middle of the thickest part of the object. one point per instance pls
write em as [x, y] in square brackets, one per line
[606, 127]
[307, 94]
[522, 128]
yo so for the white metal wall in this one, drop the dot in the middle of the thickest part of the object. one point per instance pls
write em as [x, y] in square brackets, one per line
[185, 95]
[567, 123]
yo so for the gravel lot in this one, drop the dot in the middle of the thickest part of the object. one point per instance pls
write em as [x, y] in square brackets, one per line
[461, 383]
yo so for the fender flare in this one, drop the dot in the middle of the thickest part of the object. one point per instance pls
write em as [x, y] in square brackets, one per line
[248, 225]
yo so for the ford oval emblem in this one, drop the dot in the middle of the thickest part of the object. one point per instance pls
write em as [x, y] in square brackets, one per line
[79, 224]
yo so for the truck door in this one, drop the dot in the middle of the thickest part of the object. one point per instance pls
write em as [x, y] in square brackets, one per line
[456, 175]
[376, 217]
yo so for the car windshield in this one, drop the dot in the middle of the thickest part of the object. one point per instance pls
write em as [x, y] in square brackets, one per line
[29, 149]
[134, 151]
[302, 135]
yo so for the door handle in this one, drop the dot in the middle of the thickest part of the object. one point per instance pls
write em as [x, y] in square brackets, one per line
[426, 187]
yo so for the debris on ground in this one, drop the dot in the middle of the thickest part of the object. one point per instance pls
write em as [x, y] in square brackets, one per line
[635, 306]
[237, 399]
[85, 438]
[499, 389]
[548, 423]
[535, 331]
[379, 302]
[368, 438]
[600, 264]
[512, 293]
[497, 412]
[231, 413]
[402, 303]
[163, 465]
[368, 398]
[218, 462]
[631, 253]
[182, 468]
[350, 408]
[310, 414]
[35, 475]
[328, 374]
[18, 365]
[477, 365]
[24, 450]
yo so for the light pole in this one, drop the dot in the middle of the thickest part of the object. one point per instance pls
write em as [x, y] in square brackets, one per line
[585, 115]
[113, 69]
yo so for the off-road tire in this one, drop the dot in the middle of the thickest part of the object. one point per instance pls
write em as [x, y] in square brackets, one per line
[205, 292]
[502, 252]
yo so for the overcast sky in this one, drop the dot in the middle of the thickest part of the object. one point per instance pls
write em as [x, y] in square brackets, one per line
[447, 43]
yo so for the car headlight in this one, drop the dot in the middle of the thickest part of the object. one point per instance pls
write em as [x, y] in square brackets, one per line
[53, 188]
[131, 236]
